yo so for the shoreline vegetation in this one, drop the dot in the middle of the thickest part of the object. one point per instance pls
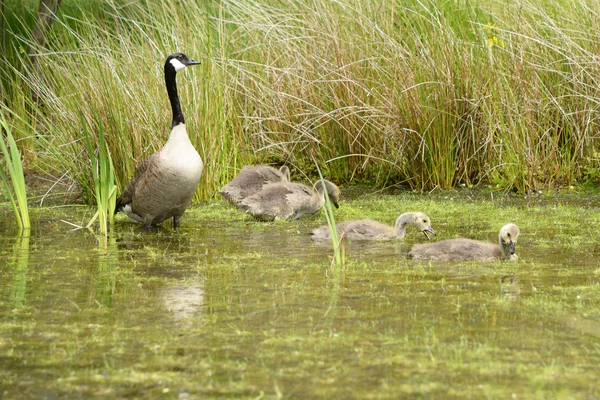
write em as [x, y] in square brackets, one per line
[422, 94]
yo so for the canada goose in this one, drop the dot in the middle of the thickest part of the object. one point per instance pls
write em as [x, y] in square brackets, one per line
[367, 229]
[289, 200]
[251, 179]
[164, 183]
[468, 249]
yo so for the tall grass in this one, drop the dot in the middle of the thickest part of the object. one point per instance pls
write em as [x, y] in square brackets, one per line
[14, 181]
[429, 94]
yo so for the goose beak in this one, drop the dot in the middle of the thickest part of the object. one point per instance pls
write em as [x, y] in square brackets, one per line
[430, 230]
[192, 62]
[511, 247]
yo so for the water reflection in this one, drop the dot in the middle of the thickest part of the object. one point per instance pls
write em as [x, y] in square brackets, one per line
[509, 287]
[20, 262]
[184, 301]
[107, 262]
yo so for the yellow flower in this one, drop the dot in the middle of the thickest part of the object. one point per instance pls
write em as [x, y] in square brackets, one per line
[491, 30]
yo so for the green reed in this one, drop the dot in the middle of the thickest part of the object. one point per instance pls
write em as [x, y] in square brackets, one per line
[102, 170]
[14, 181]
[336, 242]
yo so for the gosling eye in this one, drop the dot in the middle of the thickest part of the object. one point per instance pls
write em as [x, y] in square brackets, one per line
[508, 234]
[425, 221]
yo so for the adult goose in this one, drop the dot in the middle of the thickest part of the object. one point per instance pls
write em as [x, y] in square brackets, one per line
[468, 249]
[289, 200]
[367, 229]
[251, 179]
[164, 183]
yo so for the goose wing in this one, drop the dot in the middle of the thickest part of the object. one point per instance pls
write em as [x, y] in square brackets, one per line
[140, 175]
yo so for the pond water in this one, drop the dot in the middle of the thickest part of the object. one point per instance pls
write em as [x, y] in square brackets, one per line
[231, 307]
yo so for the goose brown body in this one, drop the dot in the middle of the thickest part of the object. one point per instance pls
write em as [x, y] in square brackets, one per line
[469, 249]
[164, 184]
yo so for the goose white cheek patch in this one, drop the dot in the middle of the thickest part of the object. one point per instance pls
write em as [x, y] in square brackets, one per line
[177, 64]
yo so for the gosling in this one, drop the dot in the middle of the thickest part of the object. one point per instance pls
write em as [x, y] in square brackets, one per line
[366, 229]
[468, 249]
[289, 200]
[252, 179]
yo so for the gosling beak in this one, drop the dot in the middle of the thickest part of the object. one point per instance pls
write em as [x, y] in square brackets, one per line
[430, 230]
[192, 62]
[511, 247]
[336, 204]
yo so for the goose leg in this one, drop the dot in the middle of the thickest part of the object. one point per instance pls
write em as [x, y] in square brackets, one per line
[176, 222]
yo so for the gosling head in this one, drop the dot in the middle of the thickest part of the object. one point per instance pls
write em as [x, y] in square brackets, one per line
[508, 239]
[332, 191]
[178, 61]
[420, 221]
[285, 171]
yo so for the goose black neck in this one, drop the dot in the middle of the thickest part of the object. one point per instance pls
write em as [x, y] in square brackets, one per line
[171, 83]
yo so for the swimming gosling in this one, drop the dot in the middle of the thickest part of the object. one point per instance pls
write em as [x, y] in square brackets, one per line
[289, 200]
[367, 229]
[468, 249]
[164, 183]
[251, 179]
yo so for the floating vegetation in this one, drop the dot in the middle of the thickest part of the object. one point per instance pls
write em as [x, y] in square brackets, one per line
[213, 309]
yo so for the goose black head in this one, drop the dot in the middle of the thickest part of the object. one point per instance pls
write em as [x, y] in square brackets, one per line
[174, 63]
[178, 61]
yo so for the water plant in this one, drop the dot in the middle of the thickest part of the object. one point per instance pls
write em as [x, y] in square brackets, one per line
[102, 170]
[336, 242]
[14, 182]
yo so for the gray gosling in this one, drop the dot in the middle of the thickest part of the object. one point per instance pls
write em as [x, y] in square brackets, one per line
[164, 183]
[289, 200]
[468, 249]
[251, 179]
[367, 229]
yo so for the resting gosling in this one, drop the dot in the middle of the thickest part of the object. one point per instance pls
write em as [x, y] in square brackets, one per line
[164, 183]
[251, 179]
[367, 229]
[468, 249]
[289, 200]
